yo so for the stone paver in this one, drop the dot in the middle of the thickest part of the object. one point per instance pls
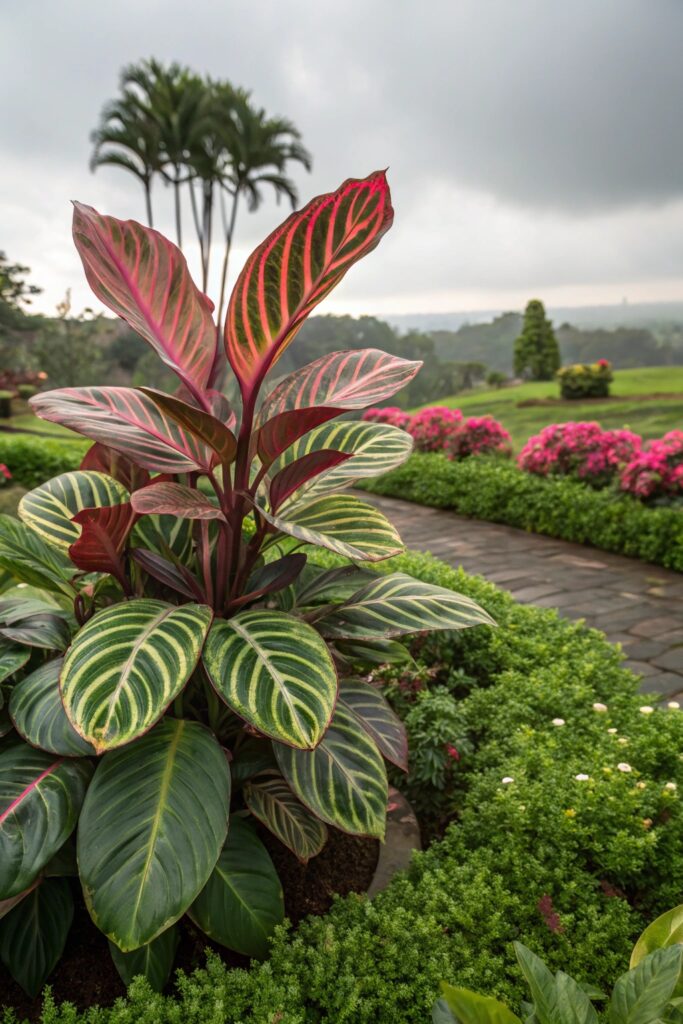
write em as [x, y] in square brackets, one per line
[635, 604]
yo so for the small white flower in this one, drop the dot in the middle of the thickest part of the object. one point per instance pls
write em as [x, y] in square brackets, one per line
[21, 585]
[641, 785]
[507, 780]
[623, 767]
[558, 721]
[671, 786]
[612, 731]
[581, 777]
[599, 707]
[674, 705]
[646, 709]
[622, 740]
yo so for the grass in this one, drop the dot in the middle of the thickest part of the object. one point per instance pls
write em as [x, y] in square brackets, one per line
[649, 416]
[10, 498]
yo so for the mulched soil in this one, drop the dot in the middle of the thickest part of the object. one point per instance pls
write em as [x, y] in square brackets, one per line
[85, 975]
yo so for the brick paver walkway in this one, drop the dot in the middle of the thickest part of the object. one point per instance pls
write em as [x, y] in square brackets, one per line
[635, 604]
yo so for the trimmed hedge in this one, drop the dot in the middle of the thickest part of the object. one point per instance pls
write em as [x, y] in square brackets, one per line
[496, 491]
[606, 851]
[32, 460]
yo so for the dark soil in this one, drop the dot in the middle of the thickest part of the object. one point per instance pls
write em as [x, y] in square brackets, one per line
[86, 975]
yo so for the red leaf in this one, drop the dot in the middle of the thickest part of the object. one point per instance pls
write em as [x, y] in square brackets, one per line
[202, 424]
[283, 430]
[113, 463]
[103, 533]
[297, 473]
[177, 577]
[296, 267]
[144, 279]
[175, 500]
[271, 577]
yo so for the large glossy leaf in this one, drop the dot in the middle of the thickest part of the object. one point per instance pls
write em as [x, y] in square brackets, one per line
[106, 460]
[104, 532]
[153, 961]
[377, 718]
[129, 422]
[573, 1004]
[376, 448]
[368, 653]
[33, 935]
[641, 995]
[275, 672]
[151, 829]
[30, 560]
[272, 577]
[242, 902]
[212, 431]
[352, 379]
[343, 524]
[343, 780]
[143, 278]
[176, 500]
[167, 535]
[50, 508]
[296, 267]
[397, 604]
[541, 983]
[471, 1008]
[11, 660]
[126, 666]
[279, 433]
[177, 577]
[40, 797]
[665, 930]
[295, 475]
[270, 799]
[38, 714]
[34, 623]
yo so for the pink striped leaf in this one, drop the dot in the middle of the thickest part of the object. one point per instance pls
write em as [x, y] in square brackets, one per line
[129, 422]
[103, 533]
[144, 279]
[348, 380]
[286, 277]
[205, 426]
[279, 433]
[113, 463]
[296, 474]
[174, 500]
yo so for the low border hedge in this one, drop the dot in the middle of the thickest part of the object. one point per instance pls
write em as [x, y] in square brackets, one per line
[32, 460]
[572, 855]
[497, 491]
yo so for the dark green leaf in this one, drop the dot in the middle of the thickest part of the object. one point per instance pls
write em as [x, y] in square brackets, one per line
[32, 936]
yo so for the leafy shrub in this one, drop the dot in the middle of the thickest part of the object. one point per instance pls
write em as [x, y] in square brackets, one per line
[26, 391]
[35, 459]
[585, 380]
[581, 450]
[390, 414]
[6, 404]
[557, 506]
[656, 471]
[478, 435]
[432, 427]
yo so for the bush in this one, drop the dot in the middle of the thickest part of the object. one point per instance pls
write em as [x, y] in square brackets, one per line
[559, 507]
[36, 459]
[656, 472]
[478, 435]
[432, 427]
[26, 391]
[585, 380]
[6, 404]
[604, 852]
[390, 414]
[581, 450]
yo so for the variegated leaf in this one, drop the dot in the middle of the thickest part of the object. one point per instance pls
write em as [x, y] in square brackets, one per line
[377, 718]
[398, 604]
[50, 508]
[341, 523]
[295, 475]
[275, 672]
[343, 780]
[129, 422]
[353, 379]
[143, 278]
[38, 714]
[40, 798]
[175, 500]
[296, 267]
[106, 460]
[30, 560]
[279, 433]
[204, 425]
[11, 660]
[126, 666]
[151, 830]
[270, 799]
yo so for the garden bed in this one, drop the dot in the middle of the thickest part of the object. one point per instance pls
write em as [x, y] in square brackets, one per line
[566, 834]
[499, 492]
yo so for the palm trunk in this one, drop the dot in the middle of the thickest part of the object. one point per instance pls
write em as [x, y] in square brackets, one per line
[176, 199]
[197, 225]
[148, 201]
[226, 256]
[207, 222]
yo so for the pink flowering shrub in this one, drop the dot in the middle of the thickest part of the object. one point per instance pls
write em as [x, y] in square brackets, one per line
[478, 435]
[656, 471]
[432, 427]
[390, 414]
[582, 450]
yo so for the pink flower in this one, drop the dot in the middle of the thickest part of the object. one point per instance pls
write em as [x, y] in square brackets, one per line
[433, 426]
[5, 471]
[452, 752]
[582, 450]
[657, 470]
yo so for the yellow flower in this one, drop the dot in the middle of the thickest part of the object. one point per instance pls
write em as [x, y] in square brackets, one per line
[570, 812]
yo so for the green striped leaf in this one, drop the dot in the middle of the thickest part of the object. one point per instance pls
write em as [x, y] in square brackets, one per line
[397, 604]
[153, 962]
[33, 935]
[296, 267]
[34, 623]
[368, 653]
[275, 672]
[343, 524]
[242, 903]
[11, 660]
[376, 448]
[151, 829]
[30, 560]
[40, 797]
[270, 799]
[38, 714]
[343, 780]
[126, 666]
[377, 718]
[50, 508]
[166, 535]
[352, 379]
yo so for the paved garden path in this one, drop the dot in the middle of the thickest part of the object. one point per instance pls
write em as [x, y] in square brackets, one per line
[635, 604]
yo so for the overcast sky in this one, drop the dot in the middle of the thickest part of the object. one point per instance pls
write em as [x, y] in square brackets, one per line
[535, 147]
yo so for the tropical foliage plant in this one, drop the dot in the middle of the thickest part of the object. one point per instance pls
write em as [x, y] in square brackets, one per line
[180, 668]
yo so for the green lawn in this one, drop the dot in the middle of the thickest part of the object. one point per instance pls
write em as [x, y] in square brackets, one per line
[649, 416]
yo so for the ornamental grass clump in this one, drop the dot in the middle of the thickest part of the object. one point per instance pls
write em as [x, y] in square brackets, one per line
[581, 450]
[182, 668]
